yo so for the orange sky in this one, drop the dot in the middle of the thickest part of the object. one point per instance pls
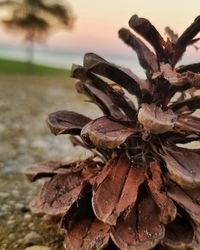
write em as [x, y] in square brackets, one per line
[99, 20]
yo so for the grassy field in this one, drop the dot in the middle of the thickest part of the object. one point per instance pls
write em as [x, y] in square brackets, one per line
[11, 67]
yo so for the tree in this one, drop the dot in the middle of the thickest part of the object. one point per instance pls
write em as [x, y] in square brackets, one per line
[36, 19]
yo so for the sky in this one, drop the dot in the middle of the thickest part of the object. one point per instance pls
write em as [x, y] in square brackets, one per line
[98, 21]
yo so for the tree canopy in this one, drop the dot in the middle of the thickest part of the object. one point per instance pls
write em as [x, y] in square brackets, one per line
[37, 18]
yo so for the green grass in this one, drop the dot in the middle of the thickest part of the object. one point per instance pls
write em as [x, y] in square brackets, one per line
[22, 68]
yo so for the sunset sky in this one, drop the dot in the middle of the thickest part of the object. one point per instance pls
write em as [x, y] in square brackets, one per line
[98, 22]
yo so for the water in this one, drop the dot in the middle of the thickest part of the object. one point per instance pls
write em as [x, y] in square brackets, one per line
[65, 58]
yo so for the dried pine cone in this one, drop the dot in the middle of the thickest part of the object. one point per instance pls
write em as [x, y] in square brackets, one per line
[141, 189]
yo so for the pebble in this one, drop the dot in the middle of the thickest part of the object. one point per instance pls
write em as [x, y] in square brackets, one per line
[46, 217]
[3, 195]
[19, 241]
[12, 202]
[4, 207]
[15, 192]
[32, 238]
[31, 225]
[27, 216]
[21, 207]
[11, 236]
[10, 222]
[38, 248]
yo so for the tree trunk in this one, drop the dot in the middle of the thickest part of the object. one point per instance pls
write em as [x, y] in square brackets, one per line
[30, 52]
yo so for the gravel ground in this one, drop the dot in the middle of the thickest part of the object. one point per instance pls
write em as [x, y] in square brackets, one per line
[25, 139]
[25, 102]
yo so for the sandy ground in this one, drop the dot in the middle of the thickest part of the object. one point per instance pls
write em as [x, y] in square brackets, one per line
[25, 139]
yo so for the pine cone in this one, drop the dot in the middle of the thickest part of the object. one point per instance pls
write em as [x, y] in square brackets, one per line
[141, 188]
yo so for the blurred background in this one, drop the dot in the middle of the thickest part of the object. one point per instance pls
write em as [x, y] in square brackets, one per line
[39, 42]
[94, 27]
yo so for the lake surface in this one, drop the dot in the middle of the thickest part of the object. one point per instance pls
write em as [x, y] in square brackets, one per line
[64, 58]
[25, 103]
